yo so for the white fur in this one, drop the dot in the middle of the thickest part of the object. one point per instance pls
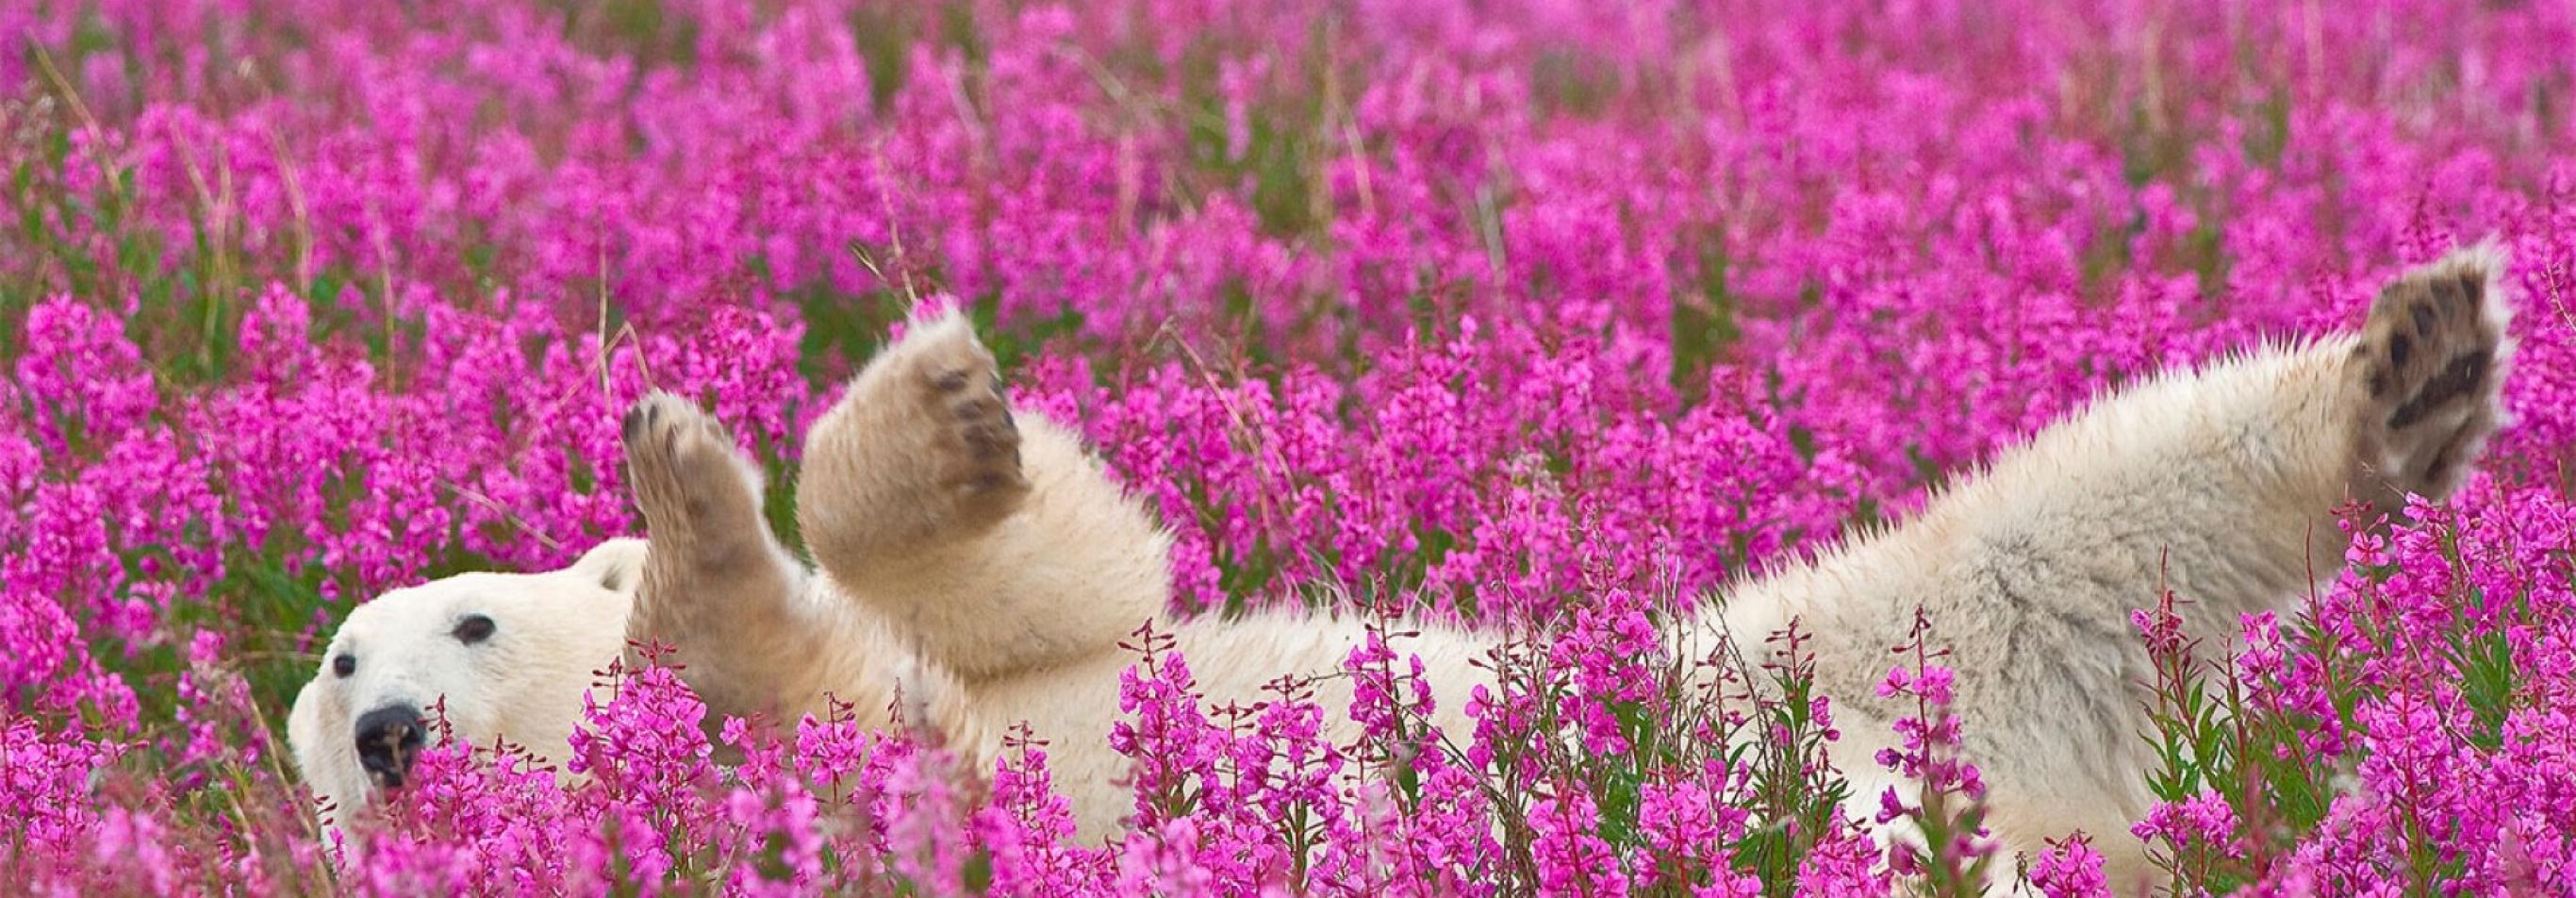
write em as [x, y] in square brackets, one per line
[523, 685]
[2218, 483]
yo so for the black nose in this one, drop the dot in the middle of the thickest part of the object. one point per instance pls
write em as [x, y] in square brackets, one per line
[389, 738]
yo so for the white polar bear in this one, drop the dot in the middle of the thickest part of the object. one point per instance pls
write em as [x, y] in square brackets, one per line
[982, 564]
[507, 656]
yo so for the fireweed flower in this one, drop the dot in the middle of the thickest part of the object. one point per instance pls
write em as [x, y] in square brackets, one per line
[2070, 870]
[2205, 819]
[1572, 859]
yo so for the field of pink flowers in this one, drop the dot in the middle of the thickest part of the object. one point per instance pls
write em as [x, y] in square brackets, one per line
[1536, 313]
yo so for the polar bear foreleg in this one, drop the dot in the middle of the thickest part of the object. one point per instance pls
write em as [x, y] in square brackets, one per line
[993, 541]
[717, 586]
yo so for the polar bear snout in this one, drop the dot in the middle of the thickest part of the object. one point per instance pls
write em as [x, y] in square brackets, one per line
[389, 739]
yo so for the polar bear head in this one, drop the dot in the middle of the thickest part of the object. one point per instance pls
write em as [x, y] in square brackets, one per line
[508, 657]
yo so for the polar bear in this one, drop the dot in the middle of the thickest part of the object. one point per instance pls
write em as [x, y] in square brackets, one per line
[507, 657]
[980, 563]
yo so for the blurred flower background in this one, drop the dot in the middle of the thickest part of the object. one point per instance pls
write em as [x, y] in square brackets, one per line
[1549, 316]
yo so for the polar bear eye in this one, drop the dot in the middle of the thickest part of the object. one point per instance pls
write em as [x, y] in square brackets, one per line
[474, 628]
[344, 664]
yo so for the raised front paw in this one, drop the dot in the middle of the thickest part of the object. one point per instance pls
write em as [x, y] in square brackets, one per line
[954, 392]
[692, 482]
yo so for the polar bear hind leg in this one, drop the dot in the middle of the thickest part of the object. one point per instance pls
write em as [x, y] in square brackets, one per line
[2426, 374]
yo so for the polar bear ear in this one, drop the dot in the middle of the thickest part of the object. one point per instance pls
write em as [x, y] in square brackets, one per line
[617, 565]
